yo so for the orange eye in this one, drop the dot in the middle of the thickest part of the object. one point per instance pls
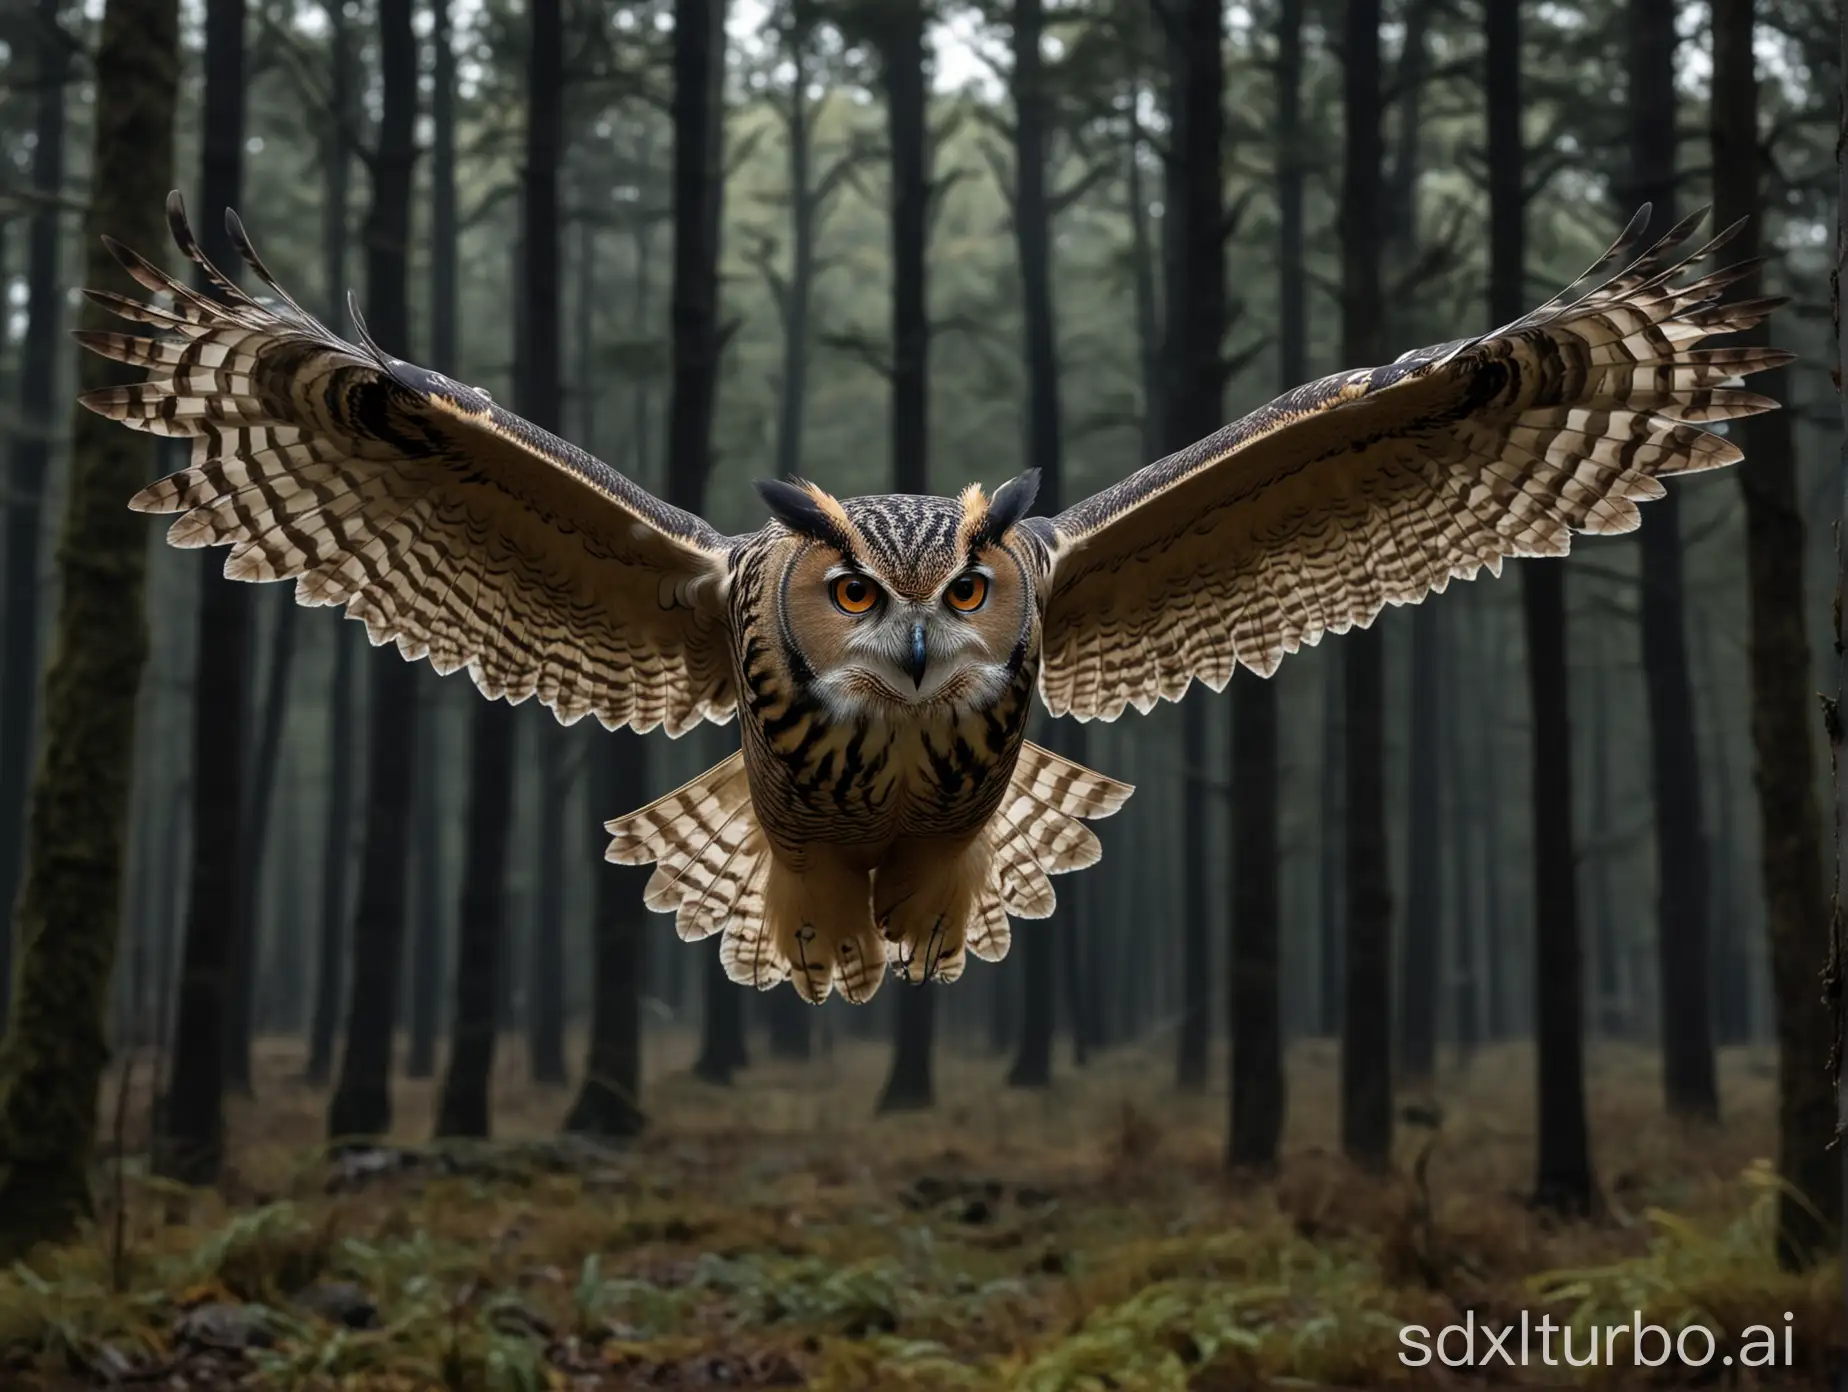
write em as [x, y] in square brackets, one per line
[968, 592]
[853, 594]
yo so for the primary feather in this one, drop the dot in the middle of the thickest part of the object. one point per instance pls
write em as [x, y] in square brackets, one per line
[1377, 486]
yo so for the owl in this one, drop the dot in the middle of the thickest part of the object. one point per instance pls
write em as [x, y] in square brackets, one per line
[885, 813]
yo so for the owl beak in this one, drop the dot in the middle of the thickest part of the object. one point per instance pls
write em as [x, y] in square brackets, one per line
[914, 666]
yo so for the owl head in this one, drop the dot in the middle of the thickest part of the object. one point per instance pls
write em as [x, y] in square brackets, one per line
[899, 606]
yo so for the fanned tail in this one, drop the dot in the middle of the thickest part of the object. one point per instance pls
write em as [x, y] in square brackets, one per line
[714, 872]
[1037, 833]
[709, 852]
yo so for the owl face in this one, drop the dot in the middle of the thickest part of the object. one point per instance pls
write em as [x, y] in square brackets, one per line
[899, 607]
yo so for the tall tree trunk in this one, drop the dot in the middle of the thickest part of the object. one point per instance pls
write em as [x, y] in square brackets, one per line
[1729, 968]
[1195, 294]
[1563, 1178]
[543, 401]
[699, 186]
[1040, 949]
[28, 456]
[1682, 870]
[1366, 1033]
[792, 392]
[1791, 850]
[191, 1146]
[1838, 918]
[427, 965]
[1612, 1016]
[444, 222]
[1331, 883]
[462, 1108]
[545, 1001]
[901, 47]
[260, 799]
[1419, 966]
[1255, 1025]
[609, 1097]
[52, 1057]
[1464, 961]
[361, 1104]
[336, 859]
[1142, 280]
[337, 822]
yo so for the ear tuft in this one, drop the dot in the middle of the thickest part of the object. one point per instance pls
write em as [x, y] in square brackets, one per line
[1011, 502]
[799, 506]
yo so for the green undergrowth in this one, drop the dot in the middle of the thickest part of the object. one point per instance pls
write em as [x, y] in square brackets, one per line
[499, 1274]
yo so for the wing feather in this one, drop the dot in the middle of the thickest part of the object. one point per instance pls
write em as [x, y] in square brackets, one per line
[451, 527]
[1376, 487]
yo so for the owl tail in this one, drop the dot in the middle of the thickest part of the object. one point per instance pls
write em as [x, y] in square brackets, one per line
[707, 848]
[714, 871]
[1037, 832]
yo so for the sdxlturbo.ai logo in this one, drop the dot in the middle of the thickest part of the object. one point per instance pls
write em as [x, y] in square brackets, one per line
[1473, 1345]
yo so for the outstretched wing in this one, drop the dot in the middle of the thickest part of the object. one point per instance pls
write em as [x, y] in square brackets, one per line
[1375, 487]
[450, 526]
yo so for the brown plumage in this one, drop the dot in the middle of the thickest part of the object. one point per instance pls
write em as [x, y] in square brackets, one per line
[884, 810]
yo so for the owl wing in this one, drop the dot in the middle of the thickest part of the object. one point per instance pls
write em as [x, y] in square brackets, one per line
[1376, 487]
[450, 526]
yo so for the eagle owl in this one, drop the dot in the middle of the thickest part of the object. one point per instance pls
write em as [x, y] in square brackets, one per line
[885, 810]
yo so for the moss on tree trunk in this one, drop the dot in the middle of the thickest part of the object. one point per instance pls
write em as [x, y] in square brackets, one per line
[52, 1058]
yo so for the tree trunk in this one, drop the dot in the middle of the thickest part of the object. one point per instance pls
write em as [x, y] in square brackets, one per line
[1255, 1023]
[191, 1146]
[1042, 942]
[901, 47]
[260, 806]
[1791, 850]
[1838, 918]
[336, 859]
[792, 391]
[1196, 320]
[609, 1098]
[909, 1086]
[361, 1105]
[444, 222]
[1682, 870]
[1563, 1178]
[427, 964]
[1366, 1033]
[337, 823]
[1331, 884]
[462, 1109]
[28, 456]
[1613, 1017]
[1464, 961]
[901, 50]
[1194, 1038]
[699, 119]
[545, 1001]
[1424, 898]
[52, 1057]
[1729, 967]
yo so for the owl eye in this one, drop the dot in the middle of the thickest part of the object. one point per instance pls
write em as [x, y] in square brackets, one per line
[968, 592]
[853, 594]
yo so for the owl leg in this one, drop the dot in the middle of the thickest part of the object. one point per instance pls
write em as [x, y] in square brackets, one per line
[821, 919]
[925, 895]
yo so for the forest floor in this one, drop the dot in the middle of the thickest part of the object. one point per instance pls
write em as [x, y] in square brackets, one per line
[777, 1234]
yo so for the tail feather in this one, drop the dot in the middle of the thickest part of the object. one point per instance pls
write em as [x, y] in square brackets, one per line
[1036, 834]
[714, 871]
[709, 852]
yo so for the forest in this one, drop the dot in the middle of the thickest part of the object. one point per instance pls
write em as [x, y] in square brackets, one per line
[1479, 967]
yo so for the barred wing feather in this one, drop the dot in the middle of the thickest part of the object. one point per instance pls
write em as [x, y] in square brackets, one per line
[1376, 487]
[452, 527]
